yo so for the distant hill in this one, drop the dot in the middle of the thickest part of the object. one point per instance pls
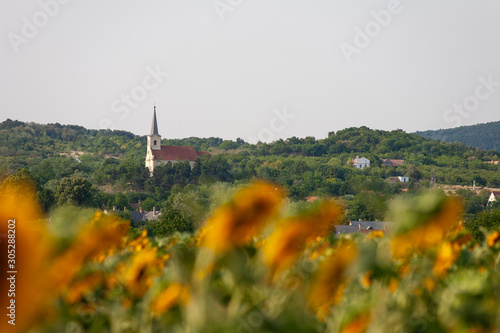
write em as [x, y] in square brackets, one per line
[484, 136]
[306, 166]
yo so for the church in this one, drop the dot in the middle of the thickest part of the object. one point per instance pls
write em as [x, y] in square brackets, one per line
[157, 154]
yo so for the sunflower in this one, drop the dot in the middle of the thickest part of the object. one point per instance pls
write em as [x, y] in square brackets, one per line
[238, 221]
[140, 242]
[144, 266]
[174, 294]
[83, 286]
[24, 237]
[329, 282]
[430, 232]
[102, 234]
[358, 325]
[447, 256]
[493, 238]
[287, 243]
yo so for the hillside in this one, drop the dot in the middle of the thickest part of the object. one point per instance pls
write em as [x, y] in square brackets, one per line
[110, 165]
[484, 136]
[307, 166]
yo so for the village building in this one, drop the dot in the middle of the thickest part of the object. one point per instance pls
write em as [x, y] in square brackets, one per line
[494, 197]
[361, 162]
[404, 179]
[137, 216]
[364, 227]
[392, 163]
[157, 154]
[311, 199]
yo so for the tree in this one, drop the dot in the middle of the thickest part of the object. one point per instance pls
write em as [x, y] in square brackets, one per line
[120, 201]
[489, 220]
[76, 191]
[46, 198]
[148, 204]
[367, 207]
[229, 144]
[171, 220]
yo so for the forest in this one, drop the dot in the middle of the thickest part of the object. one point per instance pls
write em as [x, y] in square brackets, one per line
[484, 136]
[101, 168]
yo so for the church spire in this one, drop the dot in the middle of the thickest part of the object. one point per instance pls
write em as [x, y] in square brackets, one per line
[154, 125]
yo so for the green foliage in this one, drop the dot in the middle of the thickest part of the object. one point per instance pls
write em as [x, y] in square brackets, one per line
[114, 162]
[170, 221]
[365, 206]
[125, 215]
[473, 203]
[19, 180]
[484, 221]
[22, 178]
[46, 198]
[120, 201]
[484, 136]
[148, 204]
[75, 191]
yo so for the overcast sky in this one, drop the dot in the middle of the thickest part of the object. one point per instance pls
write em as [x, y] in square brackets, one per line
[255, 69]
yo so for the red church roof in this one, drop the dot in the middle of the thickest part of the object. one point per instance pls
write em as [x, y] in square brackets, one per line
[172, 153]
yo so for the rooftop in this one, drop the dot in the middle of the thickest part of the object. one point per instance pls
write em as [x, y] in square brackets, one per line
[172, 153]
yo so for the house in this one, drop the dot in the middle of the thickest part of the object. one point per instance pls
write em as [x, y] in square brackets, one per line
[393, 180]
[361, 162]
[404, 179]
[157, 154]
[311, 199]
[494, 197]
[364, 227]
[345, 229]
[399, 179]
[137, 216]
[372, 225]
[392, 163]
[492, 162]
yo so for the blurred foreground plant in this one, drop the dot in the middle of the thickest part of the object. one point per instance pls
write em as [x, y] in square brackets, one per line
[254, 267]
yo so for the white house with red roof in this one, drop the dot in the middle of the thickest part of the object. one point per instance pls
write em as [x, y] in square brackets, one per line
[157, 154]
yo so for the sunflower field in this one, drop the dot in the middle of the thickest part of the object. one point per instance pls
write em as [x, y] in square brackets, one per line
[255, 266]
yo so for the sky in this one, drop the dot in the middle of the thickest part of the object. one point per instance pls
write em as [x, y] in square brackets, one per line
[254, 69]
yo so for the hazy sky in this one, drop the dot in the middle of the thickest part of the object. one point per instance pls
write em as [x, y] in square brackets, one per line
[255, 69]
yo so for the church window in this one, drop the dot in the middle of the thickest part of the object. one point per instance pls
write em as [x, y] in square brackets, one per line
[154, 142]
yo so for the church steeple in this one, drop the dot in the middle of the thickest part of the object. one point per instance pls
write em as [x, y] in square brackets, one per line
[154, 125]
[154, 139]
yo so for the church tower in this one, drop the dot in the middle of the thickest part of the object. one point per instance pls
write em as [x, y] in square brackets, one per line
[154, 144]
[160, 155]
[154, 138]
